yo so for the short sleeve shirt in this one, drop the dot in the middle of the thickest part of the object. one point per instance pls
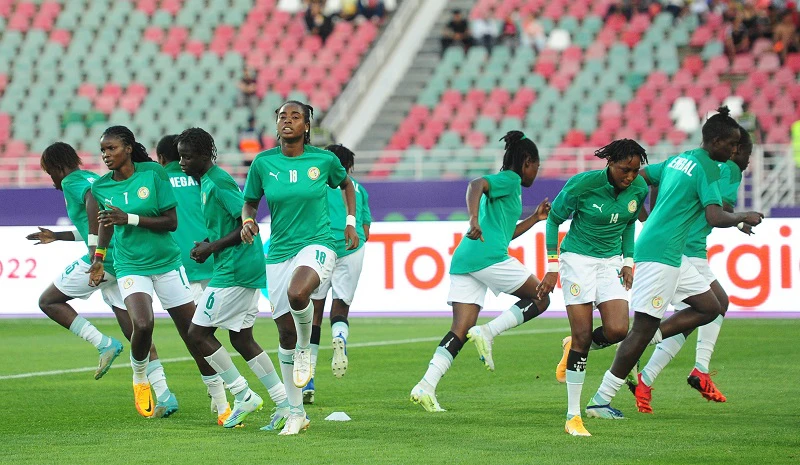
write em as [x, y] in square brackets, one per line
[338, 212]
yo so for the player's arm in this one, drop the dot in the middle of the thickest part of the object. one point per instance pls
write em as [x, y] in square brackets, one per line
[46, 236]
[166, 221]
[563, 207]
[477, 187]
[249, 225]
[366, 214]
[717, 217]
[350, 235]
[97, 270]
[626, 273]
[202, 250]
[540, 214]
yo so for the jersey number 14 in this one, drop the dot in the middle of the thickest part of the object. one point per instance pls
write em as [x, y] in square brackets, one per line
[614, 218]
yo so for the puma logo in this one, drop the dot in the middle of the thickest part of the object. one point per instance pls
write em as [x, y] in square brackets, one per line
[275, 175]
[594, 205]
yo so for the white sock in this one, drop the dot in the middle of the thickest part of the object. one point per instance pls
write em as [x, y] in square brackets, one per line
[158, 380]
[294, 394]
[265, 371]
[706, 341]
[510, 318]
[222, 363]
[657, 337]
[340, 328]
[574, 387]
[665, 351]
[438, 366]
[302, 322]
[216, 389]
[314, 356]
[82, 328]
[140, 369]
[608, 389]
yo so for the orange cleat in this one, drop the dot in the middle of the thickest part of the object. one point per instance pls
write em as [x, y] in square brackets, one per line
[702, 382]
[643, 396]
[561, 368]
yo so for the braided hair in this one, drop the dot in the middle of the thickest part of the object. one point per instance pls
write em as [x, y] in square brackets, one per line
[518, 149]
[620, 150]
[59, 157]
[308, 113]
[139, 153]
[345, 155]
[719, 125]
[167, 148]
[199, 141]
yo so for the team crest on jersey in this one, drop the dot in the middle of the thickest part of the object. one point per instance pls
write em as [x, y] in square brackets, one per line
[127, 283]
[143, 192]
[658, 302]
[313, 173]
[575, 289]
[632, 206]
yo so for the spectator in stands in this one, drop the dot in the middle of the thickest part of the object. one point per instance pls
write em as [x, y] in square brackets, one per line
[784, 36]
[456, 32]
[509, 32]
[372, 9]
[247, 90]
[533, 34]
[675, 8]
[317, 22]
[748, 121]
[485, 31]
[250, 140]
[737, 37]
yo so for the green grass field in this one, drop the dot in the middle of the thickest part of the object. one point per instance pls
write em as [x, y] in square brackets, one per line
[515, 415]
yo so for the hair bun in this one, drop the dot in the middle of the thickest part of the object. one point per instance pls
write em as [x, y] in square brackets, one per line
[724, 110]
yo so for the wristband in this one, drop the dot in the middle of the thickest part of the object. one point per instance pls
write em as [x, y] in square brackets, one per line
[91, 241]
[740, 226]
[248, 220]
[100, 253]
[627, 261]
[350, 221]
[552, 267]
[133, 220]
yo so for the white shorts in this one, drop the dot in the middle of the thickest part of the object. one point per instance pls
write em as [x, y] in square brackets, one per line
[657, 284]
[701, 265]
[280, 274]
[172, 287]
[74, 282]
[504, 277]
[231, 308]
[197, 288]
[343, 279]
[587, 279]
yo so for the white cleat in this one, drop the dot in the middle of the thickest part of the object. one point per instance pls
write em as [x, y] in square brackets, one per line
[303, 372]
[339, 362]
[483, 343]
[295, 423]
[426, 398]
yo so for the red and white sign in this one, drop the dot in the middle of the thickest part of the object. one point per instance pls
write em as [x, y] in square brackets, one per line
[406, 267]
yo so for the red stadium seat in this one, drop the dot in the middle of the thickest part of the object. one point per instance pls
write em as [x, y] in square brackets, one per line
[112, 90]
[575, 138]
[743, 63]
[476, 140]
[793, 62]
[693, 64]
[476, 97]
[61, 36]
[87, 90]
[195, 48]
[769, 62]
[105, 103]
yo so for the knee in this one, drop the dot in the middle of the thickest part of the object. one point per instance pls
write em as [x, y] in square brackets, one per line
[195, 334]
[615, 334]
[143, 322]
[543, 303]
[581, 342]
[298, 299]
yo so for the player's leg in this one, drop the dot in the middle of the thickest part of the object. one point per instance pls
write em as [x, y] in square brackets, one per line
[580, 323]
[318, 298]
[344, 281]
[579, 276]
[707, 335]
[136, 292]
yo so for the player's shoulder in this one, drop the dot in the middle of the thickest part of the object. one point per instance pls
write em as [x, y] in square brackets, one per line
[263, 156]
[103, 180]
[220, 178]
[586, 181]
[151, 167]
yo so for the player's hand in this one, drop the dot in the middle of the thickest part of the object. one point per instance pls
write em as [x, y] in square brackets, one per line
[753, 218]
[547, 285]
[747, 229]
[201, 251]
[542, 210]
[112, 216]
[474, 232]
[626, 275]
[44, 236]
[249, 231]
[350, 238]
[96, 273]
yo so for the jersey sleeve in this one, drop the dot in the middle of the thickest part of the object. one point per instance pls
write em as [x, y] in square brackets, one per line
[729, 184]
[336, 172]
[564, 205]
[500, 185]
[708, 191]
[230, 199]
[654, 172]
[164, 192]
[253, 187]
[366, 213]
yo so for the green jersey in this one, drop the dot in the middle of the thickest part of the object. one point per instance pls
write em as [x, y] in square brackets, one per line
[338, 211]
[296, 190]
[730, 176]
[137, 250]
[75, 186]
[687, 184]
[241, 265]
[603, 221]
[498, 213]
[191, 225]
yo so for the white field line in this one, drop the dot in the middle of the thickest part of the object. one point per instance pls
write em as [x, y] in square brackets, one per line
[523, 332]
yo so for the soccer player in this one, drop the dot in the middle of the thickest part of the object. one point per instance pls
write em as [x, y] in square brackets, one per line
[481, 262]
[688, 190]
[345, 275]
[596, 260]
[695, 250]
[231, 299]
[295, 177]
[62, 163]
[136, 198]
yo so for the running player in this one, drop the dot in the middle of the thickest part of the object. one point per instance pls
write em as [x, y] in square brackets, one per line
[62, 163]
[294, 177]
[345, 275]
[596, 260]
[688, 189]
[481, 262]
[666, 350]
[136, 198]
[231, 299]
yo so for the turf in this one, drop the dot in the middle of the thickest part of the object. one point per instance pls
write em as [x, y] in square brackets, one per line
[515, 415]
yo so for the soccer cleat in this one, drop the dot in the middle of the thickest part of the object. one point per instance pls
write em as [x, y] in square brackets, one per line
[252, 403]
[574, 427]
[308, 392]
[143, 399]
[303, 372]
[221, 417]
[425, 398]
[483, 343]
[107, 356]
[632, 380]
[295, 423]
[604, 411]
[702, 382]
[339, 362]
[643, 396]
[166, 408]
[278, 421]
[561, 368]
